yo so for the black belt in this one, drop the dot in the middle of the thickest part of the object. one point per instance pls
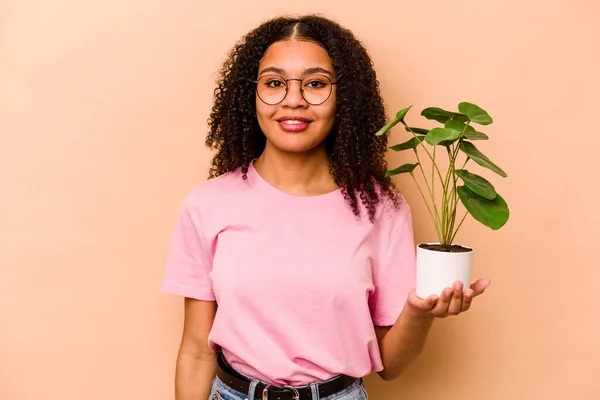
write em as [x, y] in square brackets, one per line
[240, 383]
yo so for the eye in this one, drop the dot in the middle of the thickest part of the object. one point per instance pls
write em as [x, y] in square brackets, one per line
[316, 83]
[274, 83]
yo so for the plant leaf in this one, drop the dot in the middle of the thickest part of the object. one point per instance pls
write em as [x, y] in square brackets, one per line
[469, 149]
[441, 115]
[437, 135]
[475, 113]
[477, 184]
[491, 213]
[402, 169]
[436, 114]
[388, 126]
[457, 125]
[418, 131]
[475, 135]
[402, 113]
[470, 132]
[409, 144]
[459, 117]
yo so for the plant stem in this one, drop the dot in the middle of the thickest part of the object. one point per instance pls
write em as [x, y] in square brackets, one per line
[450, 198]
[435, 215]
[456, 200]
[437, 227]
[424, 148]
[429, 188]
[453, 204]
[465, 163]
[454, 195]
[433, 177]
[447, 197]
[449, 171]
[459, 225]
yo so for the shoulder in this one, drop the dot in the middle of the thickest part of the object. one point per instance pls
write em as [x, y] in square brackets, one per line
[205, 195]
[392, 208]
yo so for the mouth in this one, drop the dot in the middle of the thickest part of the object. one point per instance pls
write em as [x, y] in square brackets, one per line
[293, 124]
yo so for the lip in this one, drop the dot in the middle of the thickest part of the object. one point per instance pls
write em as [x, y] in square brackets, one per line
[293, 118]
[293, 124]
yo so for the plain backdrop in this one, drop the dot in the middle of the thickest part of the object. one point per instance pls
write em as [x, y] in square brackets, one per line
[103, 109]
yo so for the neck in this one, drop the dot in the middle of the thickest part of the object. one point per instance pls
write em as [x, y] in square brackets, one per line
[302, 174]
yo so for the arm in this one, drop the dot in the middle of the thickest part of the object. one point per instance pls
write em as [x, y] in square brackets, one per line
[401, 344]
[196, 363]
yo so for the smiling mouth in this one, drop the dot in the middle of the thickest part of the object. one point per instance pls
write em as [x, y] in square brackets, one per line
[294, 125]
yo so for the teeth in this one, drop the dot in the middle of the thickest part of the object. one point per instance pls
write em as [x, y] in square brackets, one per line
[293, 122]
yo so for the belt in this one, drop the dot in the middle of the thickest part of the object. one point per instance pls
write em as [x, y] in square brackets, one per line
[240, 383]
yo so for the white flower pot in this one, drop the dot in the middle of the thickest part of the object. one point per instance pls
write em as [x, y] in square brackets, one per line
[437, 270]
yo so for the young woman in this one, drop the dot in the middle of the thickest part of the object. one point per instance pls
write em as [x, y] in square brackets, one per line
[296, 259]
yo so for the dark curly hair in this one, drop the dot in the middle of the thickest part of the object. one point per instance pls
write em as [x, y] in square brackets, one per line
[356, 155]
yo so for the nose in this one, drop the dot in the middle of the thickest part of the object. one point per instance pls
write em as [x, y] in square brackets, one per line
[293, 97]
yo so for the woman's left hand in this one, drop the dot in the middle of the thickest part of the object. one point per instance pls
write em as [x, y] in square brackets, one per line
[452, 301]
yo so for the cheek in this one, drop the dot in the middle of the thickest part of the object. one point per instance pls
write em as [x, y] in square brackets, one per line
[264, 117]
[328, 115]
[332, 108]
[263, 111]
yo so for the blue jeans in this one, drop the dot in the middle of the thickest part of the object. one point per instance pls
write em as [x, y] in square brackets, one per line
[220, 391]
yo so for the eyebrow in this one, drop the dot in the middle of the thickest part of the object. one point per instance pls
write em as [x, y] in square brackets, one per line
[308, 71]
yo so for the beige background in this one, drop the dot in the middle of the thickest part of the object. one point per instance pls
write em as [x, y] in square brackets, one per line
[103, 108]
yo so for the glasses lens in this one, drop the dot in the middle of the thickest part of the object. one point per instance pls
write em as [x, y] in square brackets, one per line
[271, 89]
[316, 89]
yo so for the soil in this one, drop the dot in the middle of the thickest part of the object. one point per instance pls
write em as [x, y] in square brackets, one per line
[453, 248]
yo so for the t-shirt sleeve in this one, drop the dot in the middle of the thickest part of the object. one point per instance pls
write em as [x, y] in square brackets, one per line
[189, 258]
[394, 275]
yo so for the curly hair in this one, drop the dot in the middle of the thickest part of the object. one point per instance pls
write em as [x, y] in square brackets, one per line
[356, 155]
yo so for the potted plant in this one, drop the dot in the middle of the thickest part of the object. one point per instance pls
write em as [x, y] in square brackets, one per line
[441, 263]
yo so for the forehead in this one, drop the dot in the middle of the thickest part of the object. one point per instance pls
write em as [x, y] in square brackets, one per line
[295, 56]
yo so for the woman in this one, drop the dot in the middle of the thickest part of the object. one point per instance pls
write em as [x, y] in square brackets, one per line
[296, 260]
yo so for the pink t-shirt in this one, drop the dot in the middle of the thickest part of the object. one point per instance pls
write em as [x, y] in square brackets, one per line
[299, 281]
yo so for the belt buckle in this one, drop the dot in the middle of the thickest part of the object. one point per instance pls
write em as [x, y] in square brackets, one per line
[295, 393]
[265, 394]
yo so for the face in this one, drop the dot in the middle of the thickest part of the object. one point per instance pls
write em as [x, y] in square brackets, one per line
[294, 125]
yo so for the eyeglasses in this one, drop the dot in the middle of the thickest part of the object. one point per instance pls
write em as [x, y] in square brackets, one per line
[315, 89]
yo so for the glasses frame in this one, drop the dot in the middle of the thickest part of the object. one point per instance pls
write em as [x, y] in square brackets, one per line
[287, 86]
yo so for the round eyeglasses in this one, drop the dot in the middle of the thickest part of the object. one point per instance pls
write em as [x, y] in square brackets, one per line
[315, 89]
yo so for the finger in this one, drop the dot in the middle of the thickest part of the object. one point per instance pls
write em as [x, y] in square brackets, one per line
[420, 304]
[455, 306]
[479, 286]
[467, 300]
[431, 301]
[441, 308]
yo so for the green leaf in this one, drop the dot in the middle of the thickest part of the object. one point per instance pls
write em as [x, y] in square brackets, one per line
[469, 149]
[475, 113]
[388, 126]
[459, 117]
[437, 135]
[441, 115]
[402, 169]
[418, 131]
[474, 135]
[456, 125]
[402, 113]
[477, 184]
[491, 213]
[437, 114]
[409, 144]
[470, 132]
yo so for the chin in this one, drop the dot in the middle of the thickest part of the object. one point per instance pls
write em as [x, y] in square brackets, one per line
[296, 145]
